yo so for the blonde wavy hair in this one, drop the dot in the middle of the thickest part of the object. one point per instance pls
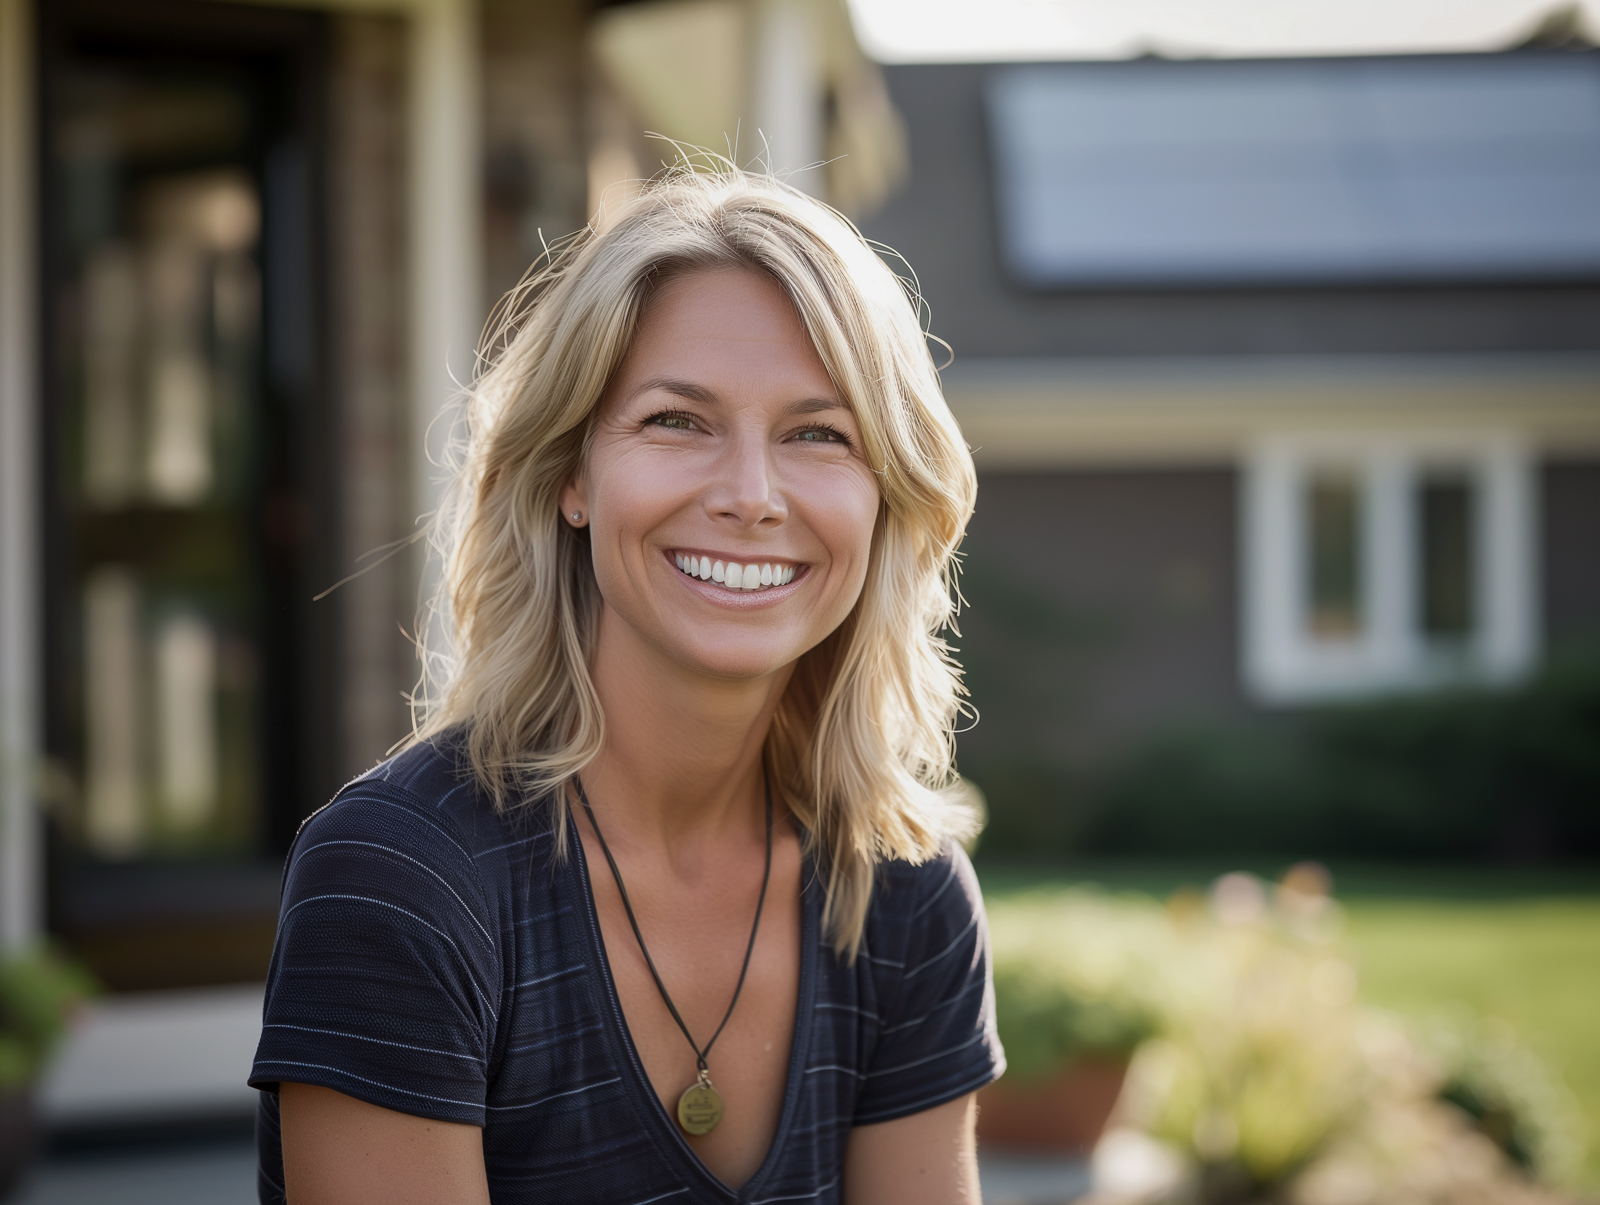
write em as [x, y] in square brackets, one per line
[861, 749]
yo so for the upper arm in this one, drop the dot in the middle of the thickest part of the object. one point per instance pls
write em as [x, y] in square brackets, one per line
[936, 1038]
[928, 1158]
[338, 1150]
[914, 1141]
[386, 973]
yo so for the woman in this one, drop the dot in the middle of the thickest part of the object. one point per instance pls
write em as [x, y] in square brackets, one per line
[664, 901]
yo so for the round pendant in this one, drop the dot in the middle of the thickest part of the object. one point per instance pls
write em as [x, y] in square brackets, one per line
[699, 1109]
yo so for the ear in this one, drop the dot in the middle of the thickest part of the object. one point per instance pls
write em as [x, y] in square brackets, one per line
[575, 500]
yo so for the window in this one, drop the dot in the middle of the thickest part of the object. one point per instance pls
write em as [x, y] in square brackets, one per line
[182, 409]
[1379, 562]
[1447, 594]
[1333, 555]
[171, 318]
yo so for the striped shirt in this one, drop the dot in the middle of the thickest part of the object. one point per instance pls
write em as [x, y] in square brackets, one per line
[434, 959]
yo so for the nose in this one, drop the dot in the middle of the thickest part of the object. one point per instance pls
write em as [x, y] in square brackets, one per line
[744, 488]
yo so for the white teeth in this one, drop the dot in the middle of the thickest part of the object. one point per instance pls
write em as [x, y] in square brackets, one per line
[734, 575]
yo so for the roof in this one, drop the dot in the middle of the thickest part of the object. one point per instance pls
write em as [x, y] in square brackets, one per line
[949, 223]
[1406, 168]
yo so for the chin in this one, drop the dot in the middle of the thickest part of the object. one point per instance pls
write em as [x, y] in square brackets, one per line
[736, 663]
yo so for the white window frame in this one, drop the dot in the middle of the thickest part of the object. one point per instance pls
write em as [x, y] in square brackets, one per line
[1285, 663]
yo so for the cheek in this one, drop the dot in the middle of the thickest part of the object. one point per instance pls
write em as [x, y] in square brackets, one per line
[625, 503]
[849, 517]
[632, 493]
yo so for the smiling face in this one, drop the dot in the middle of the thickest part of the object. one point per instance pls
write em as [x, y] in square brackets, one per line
[730, 508]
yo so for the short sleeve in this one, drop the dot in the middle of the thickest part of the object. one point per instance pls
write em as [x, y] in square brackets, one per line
[385, 978]
[936, 1039]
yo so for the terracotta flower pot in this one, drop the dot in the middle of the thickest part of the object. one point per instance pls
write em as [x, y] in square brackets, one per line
[1065, 1113]
[19, 1137]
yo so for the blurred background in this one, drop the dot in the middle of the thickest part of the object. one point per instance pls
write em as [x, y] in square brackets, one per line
[1276, 333]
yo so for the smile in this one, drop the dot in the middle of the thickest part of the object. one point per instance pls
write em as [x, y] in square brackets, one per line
[731, 575]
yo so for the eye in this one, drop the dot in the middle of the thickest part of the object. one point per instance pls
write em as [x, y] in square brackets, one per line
[673, 420]
[823, 434]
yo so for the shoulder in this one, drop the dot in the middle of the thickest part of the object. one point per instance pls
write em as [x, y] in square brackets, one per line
[424, 797]
[942, 890]
[926, 950]
[416, 827]
[925, 913]
[390, 965]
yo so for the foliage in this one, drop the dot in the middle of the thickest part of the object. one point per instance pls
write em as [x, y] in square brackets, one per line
[1511, 1095]
[38, 992]
[1079, 972]
[1410, 1147]
[1465, 774]
[1244, 1013]
[1258, 1072]
[1260, 1064]
[1531, 963]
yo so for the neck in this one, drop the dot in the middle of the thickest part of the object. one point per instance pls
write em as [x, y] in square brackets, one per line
[681, 764]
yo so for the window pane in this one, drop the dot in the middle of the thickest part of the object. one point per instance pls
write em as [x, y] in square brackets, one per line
[1333, 543]
[1444, 507]
[161, 452]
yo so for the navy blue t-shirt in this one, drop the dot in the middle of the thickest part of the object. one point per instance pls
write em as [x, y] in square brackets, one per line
[433, 958]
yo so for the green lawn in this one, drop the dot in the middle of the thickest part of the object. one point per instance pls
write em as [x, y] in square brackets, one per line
[1523, 946]
[1533, 962]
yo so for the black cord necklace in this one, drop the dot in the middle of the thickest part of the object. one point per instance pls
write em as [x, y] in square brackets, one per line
[700, 1106]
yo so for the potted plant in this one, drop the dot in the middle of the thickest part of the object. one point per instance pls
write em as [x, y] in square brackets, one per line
[1261, 1066]
[39, 990]
[1081, 979]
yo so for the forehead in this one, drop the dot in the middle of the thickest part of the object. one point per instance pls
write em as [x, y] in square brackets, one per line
[719, 320]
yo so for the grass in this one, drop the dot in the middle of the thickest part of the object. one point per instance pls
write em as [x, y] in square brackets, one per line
[1519, 945]
[1532, 962]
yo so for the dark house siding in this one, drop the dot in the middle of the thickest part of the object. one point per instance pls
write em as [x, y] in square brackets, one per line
[1102, 604]
[1571, 505]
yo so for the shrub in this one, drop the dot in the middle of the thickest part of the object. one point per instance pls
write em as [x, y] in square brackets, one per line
[1257, 1063]
[1079, 972]
[1479, 774]
[1512, 1097]
[1261, 1069]
[38, 992]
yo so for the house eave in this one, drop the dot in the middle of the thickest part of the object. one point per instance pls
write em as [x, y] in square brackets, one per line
[1024, 414]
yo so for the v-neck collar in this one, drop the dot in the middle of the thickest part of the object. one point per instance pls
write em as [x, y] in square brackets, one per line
[666, 1130]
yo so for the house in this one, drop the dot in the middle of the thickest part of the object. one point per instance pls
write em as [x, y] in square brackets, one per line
[1283, 379]
[246, 252]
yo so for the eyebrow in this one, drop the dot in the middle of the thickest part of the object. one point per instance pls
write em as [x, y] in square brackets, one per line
[699, 393]
[677, 386]
[816, 405]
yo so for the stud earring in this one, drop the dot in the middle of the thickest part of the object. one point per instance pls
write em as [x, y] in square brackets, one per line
[577, 516]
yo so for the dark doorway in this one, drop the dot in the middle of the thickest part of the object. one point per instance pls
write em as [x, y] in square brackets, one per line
[186, 428]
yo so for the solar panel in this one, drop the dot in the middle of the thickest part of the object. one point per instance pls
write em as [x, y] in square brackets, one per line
[1309, 171]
